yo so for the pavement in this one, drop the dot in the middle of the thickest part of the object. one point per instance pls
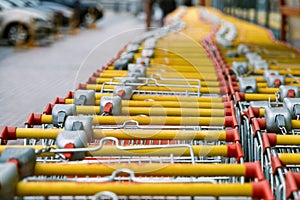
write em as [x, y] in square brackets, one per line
[32, 78]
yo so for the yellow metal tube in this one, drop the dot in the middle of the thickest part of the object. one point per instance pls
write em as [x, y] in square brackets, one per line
[165, 189]
[160, 120]
[129, 134]
[173, 104]
[160, 111]
[180, 89]
[187, 82]
[37, 133]
[288, 139]
[46, 119]
[200, 76]
[179, 99]
[296, 124]
[180, 61]
[175, 98]
[156, 111]
[268, 90]
[259, 97]
[97, 87]
[109, 150]
[151, 169]
[35, 147]
[153, 120]
[166, 104]
[158, 68]
[88, 110]
[282, 72]
[287, 80]
[208, 150]
[289, 158]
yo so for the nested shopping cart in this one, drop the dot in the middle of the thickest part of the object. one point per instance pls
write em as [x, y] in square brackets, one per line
[177, 114]
[281, 162]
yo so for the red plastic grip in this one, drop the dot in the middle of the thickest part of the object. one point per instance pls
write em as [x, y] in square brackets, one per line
[232, 136]
[96, 74]
[70, 95]
[265, 142]
[235, 151]
[228, 121]
[262, 123]
[255, 111]
[58, 101]
[48, 109]
[239, 96]
[226, 99]
[92, 80]
[227, 104]
[253, 170]
[258, 124]
[34, 119]
[8, 133]
[262, 190]
[291, 184]
[232, 120]
[224, 89]
[276, 163]
[227, 111]
[81, 86]
[231, 87]
[222, 81]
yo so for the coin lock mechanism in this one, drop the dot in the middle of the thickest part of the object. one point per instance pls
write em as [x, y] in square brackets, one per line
[84, 97]
[72, 140]
[111, 105]
[8, 180]
[260, 65]
[275, 81]
[24, 158]
[268, 73]
[252, 57]
[293, 105]
[75, 123]
[137, 70]
[125, 92]
[241, 68]
[288, 91]
[278, 120]
[247, 85]
[60, 112]
[143, 61]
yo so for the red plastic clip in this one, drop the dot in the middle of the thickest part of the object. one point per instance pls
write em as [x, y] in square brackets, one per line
[291, 93]
[262, 190]
[69, 155]
[277, 82]
[108, 108]
[121, 93]
[253, 170]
